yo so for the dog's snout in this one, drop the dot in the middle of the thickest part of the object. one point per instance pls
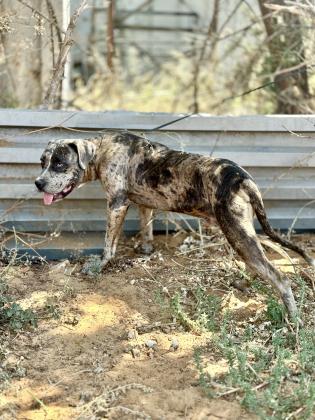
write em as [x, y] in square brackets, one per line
[40, 184]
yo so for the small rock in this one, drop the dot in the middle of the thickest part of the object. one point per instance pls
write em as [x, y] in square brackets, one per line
[132, 282]
[151, 344]
[132, 334]
[174, 344]
[135, 352]
[166, 329]
[35, 342]
[11, 362]
[71, 320]
[127, 349]
[98, 370]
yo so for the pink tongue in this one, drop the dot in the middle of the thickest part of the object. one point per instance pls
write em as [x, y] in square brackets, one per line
[48, 198]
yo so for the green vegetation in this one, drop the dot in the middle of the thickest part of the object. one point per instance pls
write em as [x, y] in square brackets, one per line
[270, 366]
[14, 315]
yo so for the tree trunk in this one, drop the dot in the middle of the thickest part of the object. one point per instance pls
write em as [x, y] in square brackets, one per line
[287, 60]
[29, 44]
[20, 65]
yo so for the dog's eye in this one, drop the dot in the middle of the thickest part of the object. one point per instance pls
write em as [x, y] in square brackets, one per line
[59, 166]
[42, 162]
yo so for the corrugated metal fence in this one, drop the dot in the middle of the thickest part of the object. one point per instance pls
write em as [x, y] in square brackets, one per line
[279, 151]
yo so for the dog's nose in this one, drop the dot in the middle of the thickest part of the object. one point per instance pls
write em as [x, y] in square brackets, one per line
[40, 184]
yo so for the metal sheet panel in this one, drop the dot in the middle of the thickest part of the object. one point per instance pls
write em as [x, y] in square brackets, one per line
[282, 162]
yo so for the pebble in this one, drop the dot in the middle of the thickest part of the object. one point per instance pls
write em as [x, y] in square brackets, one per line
[174, 344]
[11, 362]
[135, 352]
[98, 370]
[151, 344]
[132, 334]
[166, 329]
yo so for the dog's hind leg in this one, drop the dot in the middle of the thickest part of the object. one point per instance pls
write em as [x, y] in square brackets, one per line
[235, 220]
[146, 226]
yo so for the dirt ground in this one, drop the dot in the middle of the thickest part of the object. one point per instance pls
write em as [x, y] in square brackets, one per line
[114, 337]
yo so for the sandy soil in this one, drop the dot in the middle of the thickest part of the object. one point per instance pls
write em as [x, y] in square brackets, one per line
[101, 342]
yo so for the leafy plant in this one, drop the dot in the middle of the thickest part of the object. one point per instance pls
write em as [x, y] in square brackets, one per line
[14, 315]
[52, 308]
[275, 312]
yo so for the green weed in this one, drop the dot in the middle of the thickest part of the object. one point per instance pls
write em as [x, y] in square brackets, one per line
[52, 308]
[275, 312]
[202, 317]
[13, 315]
[271, 370]
[273, 382]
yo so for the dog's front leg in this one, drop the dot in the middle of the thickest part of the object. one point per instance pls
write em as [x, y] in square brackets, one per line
[115, 219]
[146, 226]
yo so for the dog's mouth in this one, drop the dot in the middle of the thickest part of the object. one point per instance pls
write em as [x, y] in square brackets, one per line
[50, 198]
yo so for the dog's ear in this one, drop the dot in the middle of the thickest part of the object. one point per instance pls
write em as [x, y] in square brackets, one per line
[84, 148]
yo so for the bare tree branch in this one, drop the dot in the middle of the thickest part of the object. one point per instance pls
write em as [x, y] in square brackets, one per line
[53, 20]
[213, 26]
[110, 35]
[58, 71]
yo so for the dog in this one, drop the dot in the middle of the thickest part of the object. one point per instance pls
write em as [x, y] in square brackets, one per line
[134, 170]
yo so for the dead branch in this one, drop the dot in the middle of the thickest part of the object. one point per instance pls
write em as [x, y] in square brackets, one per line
[110, 35]
[211, 30]
[58, 71]
[53, 20]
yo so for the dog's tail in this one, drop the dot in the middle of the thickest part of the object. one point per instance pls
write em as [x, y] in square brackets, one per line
[258, 206]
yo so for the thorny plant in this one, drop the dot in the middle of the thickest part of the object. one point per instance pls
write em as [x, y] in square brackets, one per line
[205, 311]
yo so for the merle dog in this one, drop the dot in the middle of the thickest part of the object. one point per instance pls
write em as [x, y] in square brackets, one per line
[152, 176]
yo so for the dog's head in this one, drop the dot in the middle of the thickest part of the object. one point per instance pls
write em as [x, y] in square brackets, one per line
[63, 165]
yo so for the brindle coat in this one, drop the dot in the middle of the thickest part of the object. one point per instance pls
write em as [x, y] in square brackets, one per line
[135, 170]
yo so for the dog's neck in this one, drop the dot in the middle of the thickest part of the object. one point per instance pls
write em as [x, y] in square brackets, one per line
[91, 172]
